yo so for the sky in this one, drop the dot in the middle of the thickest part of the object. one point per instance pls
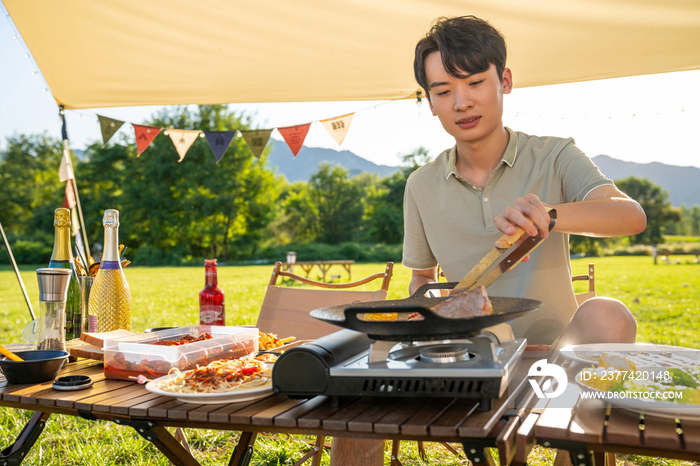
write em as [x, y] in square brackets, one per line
[640, 119]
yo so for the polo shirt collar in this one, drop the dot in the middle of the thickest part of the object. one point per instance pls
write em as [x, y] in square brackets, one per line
[508, 156]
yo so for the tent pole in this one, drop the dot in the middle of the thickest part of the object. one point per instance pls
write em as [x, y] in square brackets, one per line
[64, 134]
[19, 278]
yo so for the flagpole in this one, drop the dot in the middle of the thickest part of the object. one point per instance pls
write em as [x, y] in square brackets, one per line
[19, 277]
[64, 134]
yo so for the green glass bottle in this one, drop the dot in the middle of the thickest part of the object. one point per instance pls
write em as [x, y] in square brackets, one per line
[62, 258]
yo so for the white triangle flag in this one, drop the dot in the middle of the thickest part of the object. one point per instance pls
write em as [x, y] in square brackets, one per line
[65, 170]
[338, 126]
[183, 139]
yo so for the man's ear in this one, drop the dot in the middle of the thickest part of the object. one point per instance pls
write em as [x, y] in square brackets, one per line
[507, 81]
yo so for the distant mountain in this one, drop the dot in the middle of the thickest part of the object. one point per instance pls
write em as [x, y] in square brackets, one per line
[307, 160]
[682, 183]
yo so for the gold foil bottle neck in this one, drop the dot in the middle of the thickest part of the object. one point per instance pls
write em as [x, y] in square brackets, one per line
[111, 219]
[61, 218]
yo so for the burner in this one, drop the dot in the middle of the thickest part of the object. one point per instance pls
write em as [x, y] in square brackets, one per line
[444, 353]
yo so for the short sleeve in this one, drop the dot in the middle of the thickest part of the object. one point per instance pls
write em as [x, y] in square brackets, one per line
[416, 249]
[578, 174]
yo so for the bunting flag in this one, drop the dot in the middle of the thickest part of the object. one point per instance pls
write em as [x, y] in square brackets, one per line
[257, 140]
[65, 170]
[74, 224]
[219, 141]
[144, 136]
[338, 126]
[108, 126]
[68, 197]
[183, 139]
[294, 136]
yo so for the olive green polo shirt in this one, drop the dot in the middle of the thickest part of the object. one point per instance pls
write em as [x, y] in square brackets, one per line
[450, 221]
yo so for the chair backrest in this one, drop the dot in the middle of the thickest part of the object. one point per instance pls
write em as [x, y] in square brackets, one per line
[590, 277]
[285, 310]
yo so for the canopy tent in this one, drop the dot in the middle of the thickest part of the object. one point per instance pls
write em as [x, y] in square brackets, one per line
[166, 52]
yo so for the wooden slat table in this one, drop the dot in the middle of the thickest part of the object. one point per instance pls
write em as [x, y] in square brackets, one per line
[129, 404]
[307, 266]
[593, 430]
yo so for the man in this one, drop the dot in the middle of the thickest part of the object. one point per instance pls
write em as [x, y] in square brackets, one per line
[495, 179]
[492, 180]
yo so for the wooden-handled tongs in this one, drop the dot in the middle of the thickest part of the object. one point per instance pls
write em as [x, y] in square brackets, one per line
[483, 274]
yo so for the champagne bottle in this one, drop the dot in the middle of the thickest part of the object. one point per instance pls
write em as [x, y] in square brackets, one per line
[110, 300]
[62, 258]
[211, 298]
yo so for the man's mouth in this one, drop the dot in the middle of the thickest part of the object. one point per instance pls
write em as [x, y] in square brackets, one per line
[468, 122]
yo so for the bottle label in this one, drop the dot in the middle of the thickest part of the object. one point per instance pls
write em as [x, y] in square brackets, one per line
[92, 323]
[210, 313]
[110, 265]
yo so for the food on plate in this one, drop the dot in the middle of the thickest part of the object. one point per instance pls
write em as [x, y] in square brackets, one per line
[618, 373]
[218, 377]
[268, 341]
[461, 305]
[184, 340]
[616, 360]
[269, 358]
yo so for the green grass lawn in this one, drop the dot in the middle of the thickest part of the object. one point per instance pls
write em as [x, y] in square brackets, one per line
[663, 298]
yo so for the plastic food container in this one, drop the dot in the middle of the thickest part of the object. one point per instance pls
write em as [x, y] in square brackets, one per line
[128, 357]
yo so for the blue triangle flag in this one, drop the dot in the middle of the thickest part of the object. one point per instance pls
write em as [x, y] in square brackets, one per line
[219, 142]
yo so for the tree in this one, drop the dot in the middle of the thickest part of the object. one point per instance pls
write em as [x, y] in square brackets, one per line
[172, 211]
[338, 202]
[30, 193]
[654, 201]
[298, 220]
[384, 214]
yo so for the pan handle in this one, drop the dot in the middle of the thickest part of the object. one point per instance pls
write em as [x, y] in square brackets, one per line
[420, 292]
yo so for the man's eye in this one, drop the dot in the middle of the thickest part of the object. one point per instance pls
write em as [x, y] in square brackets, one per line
[442, 92]
[476, 83]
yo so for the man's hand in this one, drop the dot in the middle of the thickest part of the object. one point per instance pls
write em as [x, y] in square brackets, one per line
[527, 212]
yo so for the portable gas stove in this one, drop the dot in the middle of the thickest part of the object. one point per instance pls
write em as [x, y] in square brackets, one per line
[348, 363]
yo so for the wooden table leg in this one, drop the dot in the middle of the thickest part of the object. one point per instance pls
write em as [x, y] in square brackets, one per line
[347, 267]
[244, 450]
[324, 268]
[161, 438]
[307, 269]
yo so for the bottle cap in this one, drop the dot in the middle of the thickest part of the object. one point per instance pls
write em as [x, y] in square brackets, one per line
[53, 284]
[111, 219]
[61, 218]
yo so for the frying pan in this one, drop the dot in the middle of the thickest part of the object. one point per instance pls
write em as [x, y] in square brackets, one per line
[432, 327]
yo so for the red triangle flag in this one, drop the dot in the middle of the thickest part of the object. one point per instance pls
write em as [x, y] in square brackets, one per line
[294, 136]
[145, 136]
[69, 197]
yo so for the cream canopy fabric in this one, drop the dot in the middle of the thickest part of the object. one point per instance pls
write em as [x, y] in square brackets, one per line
[136, 52]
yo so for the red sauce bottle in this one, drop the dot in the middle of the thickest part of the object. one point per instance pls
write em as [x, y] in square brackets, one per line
[211, 298]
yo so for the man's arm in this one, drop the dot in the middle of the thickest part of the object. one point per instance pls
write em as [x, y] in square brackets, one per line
[422, 277]
[605, 212]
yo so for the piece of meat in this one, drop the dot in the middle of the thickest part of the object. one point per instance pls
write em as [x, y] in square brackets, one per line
[464, 304]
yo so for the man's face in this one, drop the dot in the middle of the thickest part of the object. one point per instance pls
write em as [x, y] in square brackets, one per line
[471, 108]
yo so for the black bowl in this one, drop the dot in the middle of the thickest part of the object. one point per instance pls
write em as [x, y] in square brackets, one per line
[38, 366]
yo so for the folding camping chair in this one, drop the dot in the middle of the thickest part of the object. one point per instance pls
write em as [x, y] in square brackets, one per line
[285, 312]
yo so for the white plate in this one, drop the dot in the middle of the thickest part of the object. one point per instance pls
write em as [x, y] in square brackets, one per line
[235, 396]
[664, 409]
[589, 354]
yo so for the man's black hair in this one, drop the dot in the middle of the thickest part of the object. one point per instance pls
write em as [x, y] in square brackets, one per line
[467, 45]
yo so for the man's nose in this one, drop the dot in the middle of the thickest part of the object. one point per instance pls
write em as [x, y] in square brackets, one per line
[463, 101]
